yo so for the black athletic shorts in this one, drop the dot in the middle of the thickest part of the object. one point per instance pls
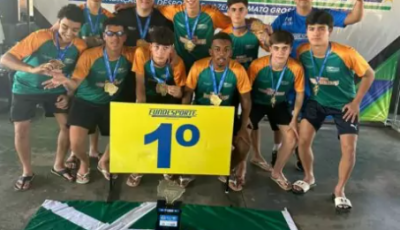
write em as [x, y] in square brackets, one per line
[128, 90]
[89, 116]
[277, 115]
[23, 106]
[315, 113]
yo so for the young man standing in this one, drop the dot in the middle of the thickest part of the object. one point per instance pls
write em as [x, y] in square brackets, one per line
[273, 76]
[246, 44]
[140, 21]
[95, 15]
[330, 68]
[98, 77]
[214, 81]
[160, 76]
[295, 22]
[35, 58]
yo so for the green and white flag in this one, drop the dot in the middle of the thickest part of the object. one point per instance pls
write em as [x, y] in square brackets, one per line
[119, 215]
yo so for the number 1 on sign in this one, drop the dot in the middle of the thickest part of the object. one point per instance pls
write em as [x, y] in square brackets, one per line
[164, 136]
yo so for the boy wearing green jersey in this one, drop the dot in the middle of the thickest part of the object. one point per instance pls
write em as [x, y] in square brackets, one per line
[35, 59]
[330, 69]
[246, 44]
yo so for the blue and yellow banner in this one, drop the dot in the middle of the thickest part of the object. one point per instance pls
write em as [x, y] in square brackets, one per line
[172, 139]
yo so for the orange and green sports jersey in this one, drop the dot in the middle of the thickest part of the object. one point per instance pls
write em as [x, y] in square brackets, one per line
[177, 76]
[336, 85]
[210, 19]
[37, 49]
[265, 80]
[86, 30]
[245, 47]
[92, 70]
[200, 80]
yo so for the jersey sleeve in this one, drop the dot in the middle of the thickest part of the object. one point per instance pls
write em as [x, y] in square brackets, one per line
[298, 72]
[140, 59]
[255, 67]
[357, 63]
[351, 58]
[193, 77]
[179, 73]
[243, 82]
[83, 65]
[169, 11]
[29, 45]
[220, 20]
[252, 72]
[339, 17]
[129, 53]
[80, 45]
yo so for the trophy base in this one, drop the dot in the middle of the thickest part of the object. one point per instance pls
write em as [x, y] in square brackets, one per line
[168, 215]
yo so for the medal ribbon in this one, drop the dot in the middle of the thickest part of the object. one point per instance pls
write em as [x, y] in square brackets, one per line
[94, 28]
[111, 76]
[143, 32]
[190, 32]
[278, 84]
[61, 53]
[328, 52]
[153, 72]
[221, 82]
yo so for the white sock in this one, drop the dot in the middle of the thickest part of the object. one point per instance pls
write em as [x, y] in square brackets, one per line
[276, 147]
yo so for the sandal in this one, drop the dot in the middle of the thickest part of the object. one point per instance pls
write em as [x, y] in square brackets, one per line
[283, 183]
[263, 165]
[342, 204]
[23, 183]
[72, 163]
[134, 180]
[235, 183]
[106, 174]
[62, 173]
[304, 187]
[83, 179]
[185, 181]
[168, 177]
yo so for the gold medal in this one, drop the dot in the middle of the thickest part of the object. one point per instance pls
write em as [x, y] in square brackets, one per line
[162, 88]
[273, 100]
[141, 43]
[316, 89]
[189, 45]
[215, 99]
[110, 88]
[57, 64]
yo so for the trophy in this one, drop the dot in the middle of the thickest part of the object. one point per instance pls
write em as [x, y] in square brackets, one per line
[169, 211]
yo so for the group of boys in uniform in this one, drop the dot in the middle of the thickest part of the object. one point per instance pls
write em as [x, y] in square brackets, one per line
[171, 55]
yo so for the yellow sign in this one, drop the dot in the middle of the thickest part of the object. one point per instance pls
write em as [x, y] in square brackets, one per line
[173, 139]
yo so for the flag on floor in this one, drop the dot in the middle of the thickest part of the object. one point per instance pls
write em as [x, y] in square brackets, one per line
[119, 215]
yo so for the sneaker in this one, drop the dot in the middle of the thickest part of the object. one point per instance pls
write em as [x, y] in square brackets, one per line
[274, 156]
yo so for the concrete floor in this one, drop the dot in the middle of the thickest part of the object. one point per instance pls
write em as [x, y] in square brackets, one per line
[373, 189]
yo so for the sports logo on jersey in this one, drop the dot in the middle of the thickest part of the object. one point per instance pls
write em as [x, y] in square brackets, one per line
[284, 83]
[288, 21]
[332, 69]
[227, 85]
[202, 26]
[69, 61]
[249, 47]
[131, 28]
[122, 70]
